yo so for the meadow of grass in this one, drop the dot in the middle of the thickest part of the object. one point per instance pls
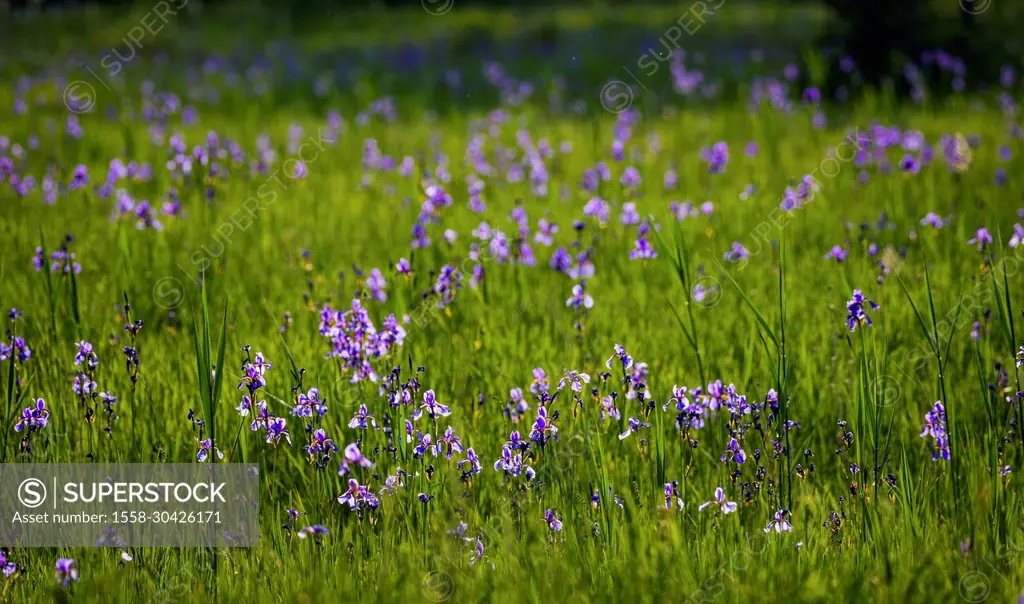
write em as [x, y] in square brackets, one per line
[294, 207]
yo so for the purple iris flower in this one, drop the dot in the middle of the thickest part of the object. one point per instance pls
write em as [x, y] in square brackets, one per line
[982, 237]
[393, 482]
[633, 425]
[516, 442]
[353, 458]
[545, 233]
[66, 571]
[837, 252]
[779, 523]
[671, 179]
[932, 219]
[452, 442]
[856, 313]
[727, 507]
[580, 299]
[544, 428]
[419, 236]
[629, 214]
[358, 496]
[683, 211]
[553, 521]
[1018, 235]
[8, 567]
[517, 403]
[146, 217]
[630, 177]
[82, 385]
[512, 464]
[39, 260]
[935, 427]
[362, 419]
[433, 408]
[263, 416]
[541, 382]
[575, 379]
[425, 444]
[33, 418]
[608, 409]
[672, 492]
[310, 403]
[79, 178]
[64, 262]
[478, 552]
[622, 355]
[584, 269]
[317, 531]
[598, 208]
[472, 463]
[642, 250]
[737, 253]
[909, 164]
[205, 447]
[321, 444]
[733, 452]
[253, 374]
[716, 156]
[376, 284]
[561, 260]
[277, 428]
[702, 292]
[85, 354]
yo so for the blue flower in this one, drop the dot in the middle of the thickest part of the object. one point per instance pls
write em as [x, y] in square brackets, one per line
[727, 507]
[856, 315]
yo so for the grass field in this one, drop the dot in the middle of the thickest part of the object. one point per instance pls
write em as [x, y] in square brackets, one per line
[717, 233]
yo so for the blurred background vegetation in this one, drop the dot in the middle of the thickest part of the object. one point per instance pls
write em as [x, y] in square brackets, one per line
[880, 35]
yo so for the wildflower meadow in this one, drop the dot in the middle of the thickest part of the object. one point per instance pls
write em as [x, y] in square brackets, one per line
[604, 304]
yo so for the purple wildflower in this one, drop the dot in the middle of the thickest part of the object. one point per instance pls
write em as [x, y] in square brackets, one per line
[575, 379]
[837, 252]
[433, 408]
[779, 523]
[856, 314]
[982, 237]
[553, 521]
[362, 419]
[66, 571]
[935, 427]
[205, 448]
[733, 452]
[642, 250]
[737, 253]
[452, 442]
[633, 425]
[353, 458]
[622, 355]
[933, 220]
[544, 428]
[727, 507]
[580, 299]
[33, 418]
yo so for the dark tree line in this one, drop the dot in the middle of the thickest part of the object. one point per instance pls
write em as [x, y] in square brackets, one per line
[877, 34]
